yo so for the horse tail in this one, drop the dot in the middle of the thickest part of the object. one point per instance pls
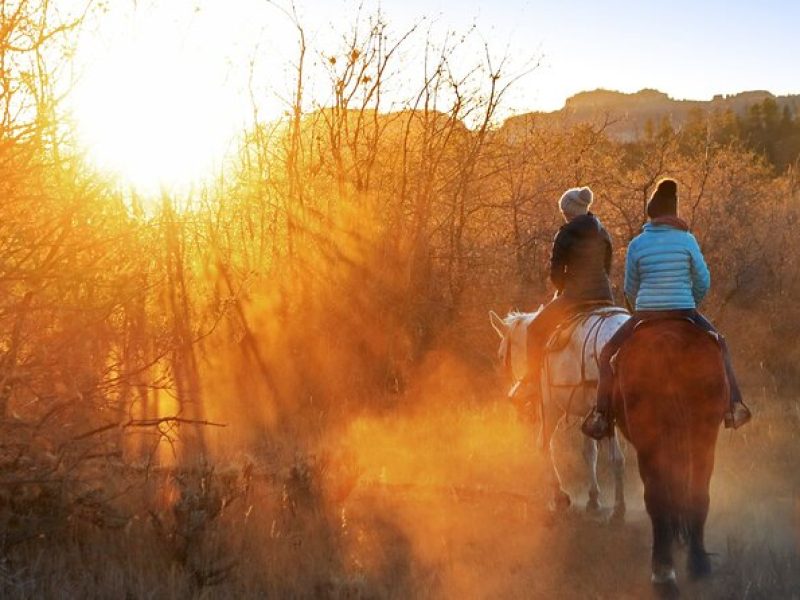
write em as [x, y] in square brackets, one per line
[679, 443]
[671, 458]
[681, 484]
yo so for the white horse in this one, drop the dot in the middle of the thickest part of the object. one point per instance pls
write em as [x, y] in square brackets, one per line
[568, 386]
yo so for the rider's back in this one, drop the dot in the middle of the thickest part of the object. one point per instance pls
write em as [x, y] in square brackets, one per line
[665, 269]
[582, 259]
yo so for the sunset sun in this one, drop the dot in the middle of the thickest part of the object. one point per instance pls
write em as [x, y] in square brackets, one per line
[155, 113]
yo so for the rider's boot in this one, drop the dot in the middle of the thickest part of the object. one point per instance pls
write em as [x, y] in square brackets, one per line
[598, 424]
[737, 416]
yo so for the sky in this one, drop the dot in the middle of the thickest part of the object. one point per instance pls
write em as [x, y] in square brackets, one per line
[688, 49]
[153, 69]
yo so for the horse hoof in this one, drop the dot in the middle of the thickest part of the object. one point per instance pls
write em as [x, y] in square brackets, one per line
[699, 566]
[667, 590]
[662, 575]
[665, 582]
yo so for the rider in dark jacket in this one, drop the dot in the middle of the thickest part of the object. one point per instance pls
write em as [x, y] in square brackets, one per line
[579, 267]
[581, 260]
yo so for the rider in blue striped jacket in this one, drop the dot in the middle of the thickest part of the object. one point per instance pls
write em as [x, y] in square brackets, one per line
[666, 276]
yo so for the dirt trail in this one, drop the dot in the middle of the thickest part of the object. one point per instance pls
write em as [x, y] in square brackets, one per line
[505, 547]
[478, 527]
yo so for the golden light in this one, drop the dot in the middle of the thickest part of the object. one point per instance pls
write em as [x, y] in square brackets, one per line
[165, 88]
[151, 114]
[162, 93]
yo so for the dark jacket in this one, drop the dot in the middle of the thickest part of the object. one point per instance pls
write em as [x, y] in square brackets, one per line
[581, 260]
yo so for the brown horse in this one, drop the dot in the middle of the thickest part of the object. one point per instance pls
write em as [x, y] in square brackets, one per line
[670, 398]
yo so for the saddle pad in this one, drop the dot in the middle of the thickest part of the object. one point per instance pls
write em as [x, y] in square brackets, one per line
[576, 362]
[563, 333]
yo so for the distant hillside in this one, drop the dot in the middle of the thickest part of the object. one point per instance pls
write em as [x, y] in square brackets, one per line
[628, 114]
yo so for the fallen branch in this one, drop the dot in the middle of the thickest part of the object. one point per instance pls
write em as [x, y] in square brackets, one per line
[146, 423]
[154, 422]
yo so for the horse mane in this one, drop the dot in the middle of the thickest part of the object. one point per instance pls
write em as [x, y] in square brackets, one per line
[517, 315]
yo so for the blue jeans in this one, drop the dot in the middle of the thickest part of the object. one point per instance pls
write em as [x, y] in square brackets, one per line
[605, 385]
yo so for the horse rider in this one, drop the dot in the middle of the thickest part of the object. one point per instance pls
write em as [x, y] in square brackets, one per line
[665, 277]
[579, 267]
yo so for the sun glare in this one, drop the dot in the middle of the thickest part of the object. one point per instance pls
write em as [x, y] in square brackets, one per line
[155, 112]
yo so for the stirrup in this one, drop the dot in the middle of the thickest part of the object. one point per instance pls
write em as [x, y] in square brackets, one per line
[597, 425]
[737, 416]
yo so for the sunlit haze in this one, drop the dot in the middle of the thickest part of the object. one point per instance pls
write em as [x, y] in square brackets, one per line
[324, 299]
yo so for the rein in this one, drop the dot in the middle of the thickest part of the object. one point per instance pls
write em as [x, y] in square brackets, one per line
[593, 335]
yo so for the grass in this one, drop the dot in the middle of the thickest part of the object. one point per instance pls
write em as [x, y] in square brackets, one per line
[444, 502]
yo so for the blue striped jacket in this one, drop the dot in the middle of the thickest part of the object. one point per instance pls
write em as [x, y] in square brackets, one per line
[665, 270]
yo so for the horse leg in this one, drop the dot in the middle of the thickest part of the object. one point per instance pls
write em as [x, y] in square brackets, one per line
[559, 499]
[663, 578]
[663, 535]
[590, 458]
[552, 416]
[698, 562]
[657, 503]
[618, 466]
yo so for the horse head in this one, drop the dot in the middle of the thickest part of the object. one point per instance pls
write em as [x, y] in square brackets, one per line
[513, 350]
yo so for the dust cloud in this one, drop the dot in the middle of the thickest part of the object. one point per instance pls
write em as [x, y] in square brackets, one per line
[450, 501]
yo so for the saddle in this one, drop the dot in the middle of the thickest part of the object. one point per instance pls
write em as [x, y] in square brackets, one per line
[653, 320]
[675, 317]
[660, 318]
[560, 338]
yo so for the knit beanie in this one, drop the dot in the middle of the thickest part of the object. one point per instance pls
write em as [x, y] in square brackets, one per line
[664, 201]
[575, 202]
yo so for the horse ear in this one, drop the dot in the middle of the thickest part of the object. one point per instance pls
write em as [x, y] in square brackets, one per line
[498, 324]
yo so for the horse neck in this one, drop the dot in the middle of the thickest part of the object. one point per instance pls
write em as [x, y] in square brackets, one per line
[518, 344]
